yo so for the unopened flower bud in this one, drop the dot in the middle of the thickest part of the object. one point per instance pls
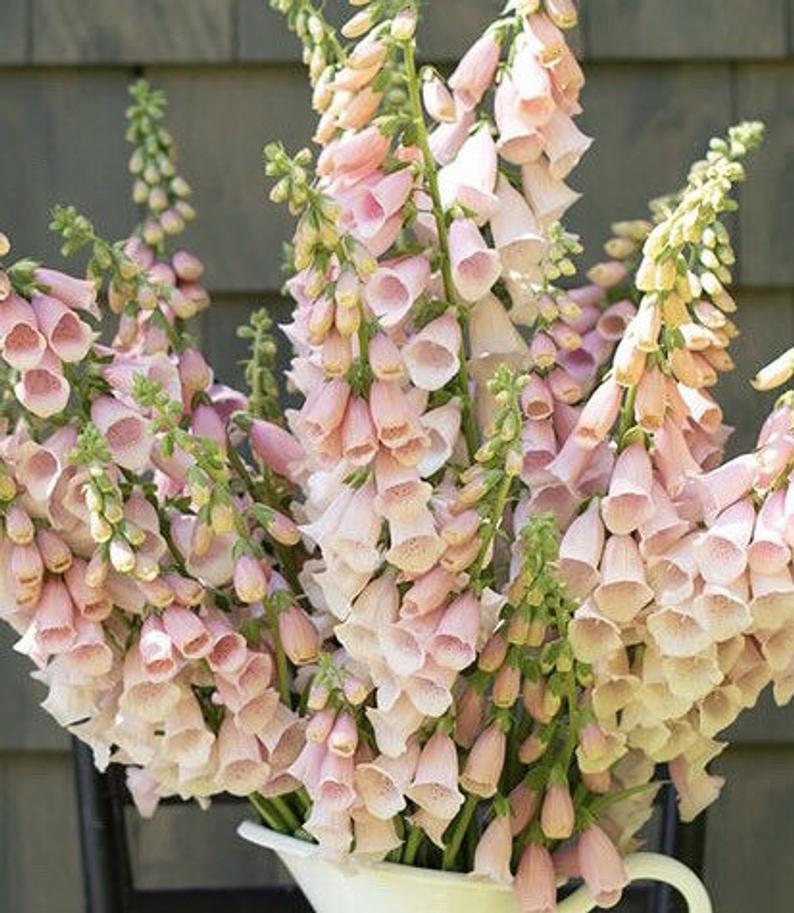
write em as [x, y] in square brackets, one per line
[55, 553]
[493, 654]
[283, 529]
[358, 24]
[19, 526]
[355, 690]
[222, 518]
[506, 686]
[343, 739]
[122, 557]
[250, 581]
[403, 27]
[557, 813]
[299, 637]
[532, 749]
[320, 725]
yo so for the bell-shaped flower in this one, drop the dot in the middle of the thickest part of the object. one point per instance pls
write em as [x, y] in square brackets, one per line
[623, 590]
[475, 267]
[493, 852]
[629, 503]
[435, 784]
[476, 70]
[396, 285]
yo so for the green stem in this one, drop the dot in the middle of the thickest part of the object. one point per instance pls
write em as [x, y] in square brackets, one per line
[363, 336]
[603, 802]
[431, 173]
[261, 494]
[280, 805]
[627, 412]
[282, 669]
[490, 530]
[571, 696]
[412, 844]
[459, 832]
[303, 800]
[267, 814]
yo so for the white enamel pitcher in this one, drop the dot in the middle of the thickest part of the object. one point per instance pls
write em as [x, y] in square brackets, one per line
[353, 886]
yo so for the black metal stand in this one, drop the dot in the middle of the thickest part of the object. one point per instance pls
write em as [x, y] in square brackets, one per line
[107, 871]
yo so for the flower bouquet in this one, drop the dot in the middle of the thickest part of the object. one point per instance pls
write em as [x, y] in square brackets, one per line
[457, 607]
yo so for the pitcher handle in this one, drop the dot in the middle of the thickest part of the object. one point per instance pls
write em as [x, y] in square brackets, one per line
[653, 867]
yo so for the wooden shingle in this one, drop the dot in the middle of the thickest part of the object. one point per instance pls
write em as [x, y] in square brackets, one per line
[447, 29]
[748, 848]
[222, 119]
[683, 30]
[132, 31]
[24, 726]
[13, 31]
[40, 858]
[766, 92]
[766, 320]
[63, 142]
[650, 122]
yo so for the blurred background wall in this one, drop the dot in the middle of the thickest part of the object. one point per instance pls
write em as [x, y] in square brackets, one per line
[663, 76]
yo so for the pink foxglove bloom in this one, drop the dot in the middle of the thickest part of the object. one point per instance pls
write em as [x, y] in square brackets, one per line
[80, 294]
[431, 357]
[769, 552]
[394, 288]
[623, 590]
[188, 632]
[629, 502]
[446, 140]
[250, 581]
[438, 100]
[277, 449]
[43, 390]
[516, 233]
[241, 768]
[548, 196]
[69, 337]
[601, 866]
[475, 267]
[435, 783]
[454, 642]
[382, 783]
[298, 636]
[722, 487]
[722, 550]
[564, 144]
[380, 202]
[359, 437]
[599, 414]
[374, 838]
[475, 71]
[580, 552]
[519, 142]
[126, 432]
[21, 343]
[557, 814]
[492, 856]
[158, 655]
[533, 85]
[483, 768]
[535, 883]
[469, 180]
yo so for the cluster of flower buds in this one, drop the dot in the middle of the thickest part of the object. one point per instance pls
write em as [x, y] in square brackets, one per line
[157, 184]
